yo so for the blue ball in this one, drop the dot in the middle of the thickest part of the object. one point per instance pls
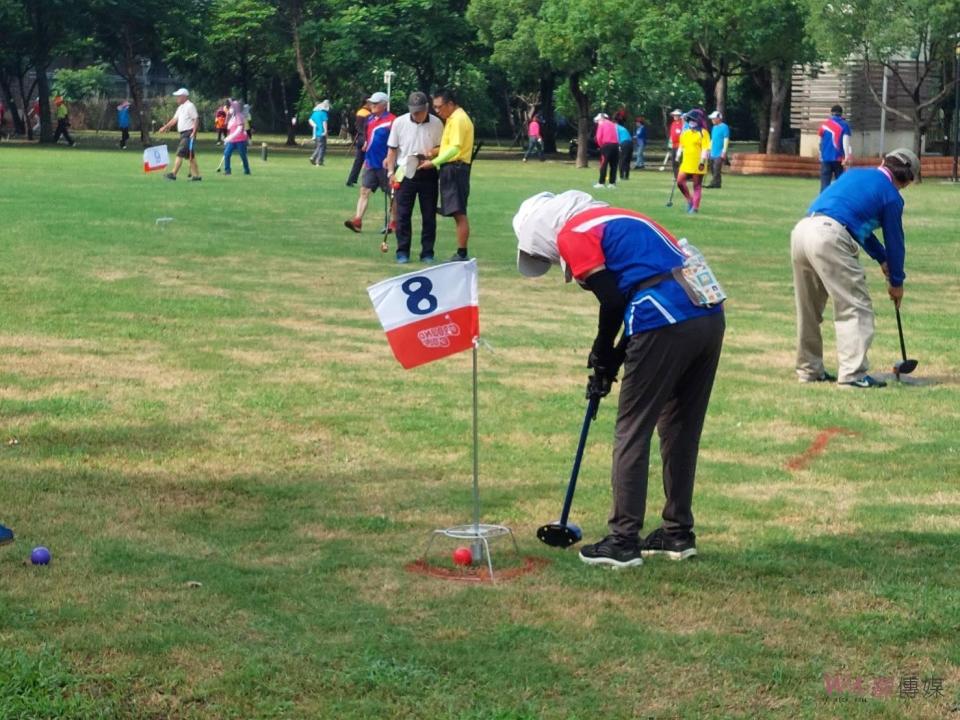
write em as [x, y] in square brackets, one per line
[40, 556]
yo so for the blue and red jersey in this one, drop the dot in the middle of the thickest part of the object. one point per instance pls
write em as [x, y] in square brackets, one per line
[378, 130]
[634, 248]
[831, 139]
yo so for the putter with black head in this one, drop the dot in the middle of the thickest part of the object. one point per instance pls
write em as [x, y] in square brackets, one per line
[561, 533]
[905, 366]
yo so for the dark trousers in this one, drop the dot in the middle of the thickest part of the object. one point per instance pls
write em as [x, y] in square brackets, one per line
[424, 185]
[667, 379]
[829, 171]
[626, 157]
[716, 170]
[124, 136]
[674, 161]
[62, 131]
[357, 167]
[609, 161]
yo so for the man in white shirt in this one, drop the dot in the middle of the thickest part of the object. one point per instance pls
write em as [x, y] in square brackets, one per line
[188, 122]
[415, 137]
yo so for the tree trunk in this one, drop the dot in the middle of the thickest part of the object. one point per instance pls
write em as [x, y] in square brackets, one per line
[43, 90]
[583, 121]
[305, 77]
[779, 87]
[19, 124]
[289, 113]
[761, 78]
[918, 140]
[548, 127]
[720, 94]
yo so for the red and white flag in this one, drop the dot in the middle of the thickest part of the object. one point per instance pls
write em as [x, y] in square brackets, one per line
[431, 313]
[155, 158]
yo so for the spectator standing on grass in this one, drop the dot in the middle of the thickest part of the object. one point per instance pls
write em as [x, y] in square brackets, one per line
[608, 140]
[63, 121]
[414, 137]
[719, 144]
[639, 143]
[318, 121]
[674, 132]
[453, 158]
[534, 139]
[248, 120]
[835, 149]
[187, 121]
[374, 158]
[692, 155]
[669, 358]
[236, 139]
[123, 122]
[824, 248]
[359, 141]
[6, 535]
[220, 121]
[625, 140]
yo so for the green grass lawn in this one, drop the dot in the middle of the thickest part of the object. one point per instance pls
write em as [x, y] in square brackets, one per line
[213, 401]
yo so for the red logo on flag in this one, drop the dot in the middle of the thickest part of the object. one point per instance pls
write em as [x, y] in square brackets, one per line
[429, 314]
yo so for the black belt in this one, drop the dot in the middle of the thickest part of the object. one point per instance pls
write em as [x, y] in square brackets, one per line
[650, 282]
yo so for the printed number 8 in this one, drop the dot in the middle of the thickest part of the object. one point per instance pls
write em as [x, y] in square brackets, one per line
[416, 297]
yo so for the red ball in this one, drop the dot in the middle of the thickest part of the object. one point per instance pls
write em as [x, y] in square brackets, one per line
[462, 556]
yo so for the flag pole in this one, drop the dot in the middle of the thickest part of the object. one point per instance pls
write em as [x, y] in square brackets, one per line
[477, 549]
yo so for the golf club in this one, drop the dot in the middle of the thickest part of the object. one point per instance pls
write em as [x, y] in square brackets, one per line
[905, 366]
[384, 246]
[673, 188]
[561, 533]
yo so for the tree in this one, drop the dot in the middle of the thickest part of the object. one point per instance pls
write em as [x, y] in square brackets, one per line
[913, 40]
[15, 64]
[508, 28]
[581, 39]
[238, 46]
[49, 24]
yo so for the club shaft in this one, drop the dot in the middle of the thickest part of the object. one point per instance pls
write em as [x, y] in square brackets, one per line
[903, 347]
[572, 485]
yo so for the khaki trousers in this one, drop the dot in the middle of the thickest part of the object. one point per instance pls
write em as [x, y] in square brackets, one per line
[825, 263]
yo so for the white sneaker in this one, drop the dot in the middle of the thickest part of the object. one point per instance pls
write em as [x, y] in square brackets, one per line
[598, 185]
[611, 187]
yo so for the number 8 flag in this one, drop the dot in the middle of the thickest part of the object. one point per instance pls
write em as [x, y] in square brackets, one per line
[431, 313]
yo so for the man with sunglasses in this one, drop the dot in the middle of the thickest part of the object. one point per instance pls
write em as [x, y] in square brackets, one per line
[453, 158]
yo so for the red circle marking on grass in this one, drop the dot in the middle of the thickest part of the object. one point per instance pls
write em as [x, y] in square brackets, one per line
[475, 574]
[816, 448]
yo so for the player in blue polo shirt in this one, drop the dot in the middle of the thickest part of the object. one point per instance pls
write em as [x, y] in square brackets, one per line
[835, 150]
[824, 249]
[669, 353]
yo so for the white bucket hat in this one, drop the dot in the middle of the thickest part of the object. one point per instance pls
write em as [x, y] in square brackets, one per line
[537, 223]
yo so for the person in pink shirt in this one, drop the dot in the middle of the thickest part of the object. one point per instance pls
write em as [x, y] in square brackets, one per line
[609, 143]
[236, 138]
[536, 139]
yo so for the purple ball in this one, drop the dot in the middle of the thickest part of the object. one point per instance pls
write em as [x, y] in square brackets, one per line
[40, 556]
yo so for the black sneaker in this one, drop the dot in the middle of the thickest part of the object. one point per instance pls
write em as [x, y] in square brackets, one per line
[865, 382]
[170, 176]
[197, 178]
[613, 551]
[675, 547]
[825, 377]
[457, 257]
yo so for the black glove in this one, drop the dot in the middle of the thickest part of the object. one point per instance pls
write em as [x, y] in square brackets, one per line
[598, 386]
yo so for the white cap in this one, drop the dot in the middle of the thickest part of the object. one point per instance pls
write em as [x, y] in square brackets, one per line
[600, 116]
[377, 98]
[537, 223]
[714, 115]
[678, 111]
[181, 92]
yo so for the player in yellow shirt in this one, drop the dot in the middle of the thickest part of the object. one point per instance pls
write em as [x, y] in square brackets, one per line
[453, 157]
[692, 154]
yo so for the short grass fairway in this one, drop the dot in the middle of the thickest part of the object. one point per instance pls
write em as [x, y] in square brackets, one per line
[203, 422]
